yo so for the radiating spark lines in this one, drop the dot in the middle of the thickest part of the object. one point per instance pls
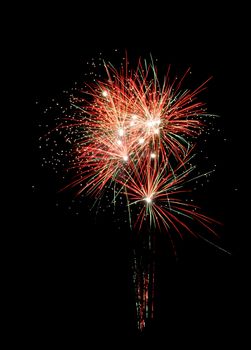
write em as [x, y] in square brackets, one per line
[135, 137]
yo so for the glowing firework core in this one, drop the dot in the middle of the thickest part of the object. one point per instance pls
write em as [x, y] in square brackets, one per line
[148, 200]
[120, 132]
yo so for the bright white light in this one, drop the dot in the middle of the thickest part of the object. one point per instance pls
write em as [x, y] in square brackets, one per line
[120, 132]
[153, 122]
[119, 142]
[134, 116]
[156, 131]
[141, 140]
[148, 200]
[104, 93]
[150, 123]
[125, 158]
[153, 155]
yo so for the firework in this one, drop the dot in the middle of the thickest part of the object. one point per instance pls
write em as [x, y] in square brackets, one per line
[135, 136]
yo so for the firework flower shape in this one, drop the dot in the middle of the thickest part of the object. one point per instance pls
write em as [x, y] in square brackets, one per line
[134, 138]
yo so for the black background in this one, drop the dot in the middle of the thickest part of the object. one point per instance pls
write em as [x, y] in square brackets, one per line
[79, 265]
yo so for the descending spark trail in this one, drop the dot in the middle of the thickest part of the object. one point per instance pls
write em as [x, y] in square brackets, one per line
[143, 278]
[134, 136]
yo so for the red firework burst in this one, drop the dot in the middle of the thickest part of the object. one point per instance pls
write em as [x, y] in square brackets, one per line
[134, 133]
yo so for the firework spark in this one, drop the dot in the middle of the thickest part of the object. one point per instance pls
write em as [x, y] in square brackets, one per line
[134, 136]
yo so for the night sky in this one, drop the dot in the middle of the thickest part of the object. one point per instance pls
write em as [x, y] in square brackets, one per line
[80, 269]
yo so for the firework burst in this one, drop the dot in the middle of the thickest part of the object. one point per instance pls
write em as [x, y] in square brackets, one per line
[134, 135]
